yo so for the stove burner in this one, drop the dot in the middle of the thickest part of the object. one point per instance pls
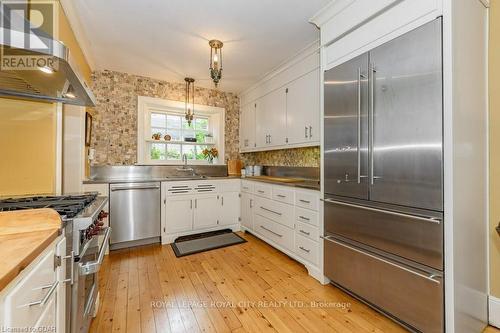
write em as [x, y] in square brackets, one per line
[66, 205]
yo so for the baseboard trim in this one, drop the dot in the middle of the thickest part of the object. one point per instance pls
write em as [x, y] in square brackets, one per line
[494, 311]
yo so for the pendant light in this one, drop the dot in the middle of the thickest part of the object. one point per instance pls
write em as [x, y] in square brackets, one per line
[189, 104]
[215, 60]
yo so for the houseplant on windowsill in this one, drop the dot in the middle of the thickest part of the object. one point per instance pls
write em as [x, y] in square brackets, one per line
[210, 154]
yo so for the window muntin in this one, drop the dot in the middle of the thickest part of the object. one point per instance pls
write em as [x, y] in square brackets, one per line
[175, 125]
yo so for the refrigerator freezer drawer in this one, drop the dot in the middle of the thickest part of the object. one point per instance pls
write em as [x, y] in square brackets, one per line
[412, 296]
[411, 237]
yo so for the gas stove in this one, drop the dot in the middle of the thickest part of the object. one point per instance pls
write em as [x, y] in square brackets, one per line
[84, 210]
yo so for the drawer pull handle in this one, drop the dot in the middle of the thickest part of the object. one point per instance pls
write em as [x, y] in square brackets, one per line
[305, 232]
[416, 217]
[304, 218]
[303, 249]
[281, 196]
[260, 191]
[271, 231]
[47, 296]
[305, 201]
[270, 211]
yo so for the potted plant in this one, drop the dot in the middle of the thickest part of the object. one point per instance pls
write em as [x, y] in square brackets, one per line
[210, 154]
[156, 136]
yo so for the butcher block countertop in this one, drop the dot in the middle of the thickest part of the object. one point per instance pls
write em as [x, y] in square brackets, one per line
[24, 234]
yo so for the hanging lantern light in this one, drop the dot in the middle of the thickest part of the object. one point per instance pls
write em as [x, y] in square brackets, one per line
[189, 103]
[215, 60]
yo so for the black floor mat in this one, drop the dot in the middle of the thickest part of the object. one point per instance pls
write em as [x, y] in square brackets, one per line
[206, 241]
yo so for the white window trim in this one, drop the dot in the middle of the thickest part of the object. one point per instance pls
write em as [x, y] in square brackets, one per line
[144, 106]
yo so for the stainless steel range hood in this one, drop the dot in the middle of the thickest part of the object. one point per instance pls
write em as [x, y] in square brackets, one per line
[60, 82]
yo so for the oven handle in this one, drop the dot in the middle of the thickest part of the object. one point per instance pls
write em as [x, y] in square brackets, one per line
[93, 266]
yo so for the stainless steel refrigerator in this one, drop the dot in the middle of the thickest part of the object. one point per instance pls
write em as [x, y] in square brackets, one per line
[383, 176]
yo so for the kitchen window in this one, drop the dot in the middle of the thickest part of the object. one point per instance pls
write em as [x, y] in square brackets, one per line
[164, 135]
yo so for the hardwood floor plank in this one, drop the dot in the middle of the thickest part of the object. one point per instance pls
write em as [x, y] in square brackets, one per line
[133, 296]
[147, 315]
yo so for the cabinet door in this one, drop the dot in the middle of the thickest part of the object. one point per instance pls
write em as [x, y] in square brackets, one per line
[261, 126]
[179, 214]
[271, 119]
[276, 116]
[206, 211]
[302, 109]
[247, 210]
[230, 205]
[247, 127]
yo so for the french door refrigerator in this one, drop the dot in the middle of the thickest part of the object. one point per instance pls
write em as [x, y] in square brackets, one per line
[383, 176]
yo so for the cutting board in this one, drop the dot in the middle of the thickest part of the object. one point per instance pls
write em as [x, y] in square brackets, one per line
[279, 179]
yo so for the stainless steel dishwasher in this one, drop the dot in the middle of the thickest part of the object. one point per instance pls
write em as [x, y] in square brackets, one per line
[134, 214]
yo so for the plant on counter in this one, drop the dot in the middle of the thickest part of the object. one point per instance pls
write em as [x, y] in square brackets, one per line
[210, 154]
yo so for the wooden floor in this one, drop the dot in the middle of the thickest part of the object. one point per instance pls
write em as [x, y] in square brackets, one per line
[249, 287]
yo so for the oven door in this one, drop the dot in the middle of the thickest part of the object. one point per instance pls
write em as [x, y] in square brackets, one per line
[86, 285]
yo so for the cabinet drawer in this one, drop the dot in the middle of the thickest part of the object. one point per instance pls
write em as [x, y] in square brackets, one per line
[306, 216]
[282, 194]
[34, 287]
[309, 200]
[279, 234]
[307, 230]
[263, 190]
[307, 249]
[246, 186]
[276, 211]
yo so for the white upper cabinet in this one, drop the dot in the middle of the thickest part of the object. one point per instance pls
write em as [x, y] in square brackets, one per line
[302, 109]
[247, 127]
[272, 118]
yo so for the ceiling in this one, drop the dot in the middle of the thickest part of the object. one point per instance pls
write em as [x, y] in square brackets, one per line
[168, 39]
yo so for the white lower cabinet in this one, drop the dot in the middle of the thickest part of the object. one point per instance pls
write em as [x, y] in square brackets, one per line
[230, 208]
[36, 299]
[179, 213]
[206, 212]
[286, 218]
[191, 207]
[247, 204]
[279, 234]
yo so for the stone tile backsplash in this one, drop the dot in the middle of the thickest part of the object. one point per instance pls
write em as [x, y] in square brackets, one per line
[299, 157]
[114, 132]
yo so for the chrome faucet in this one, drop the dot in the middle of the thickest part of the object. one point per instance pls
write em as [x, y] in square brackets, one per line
[185, 166]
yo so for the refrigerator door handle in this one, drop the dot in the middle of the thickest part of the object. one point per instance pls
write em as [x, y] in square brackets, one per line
[431, 277]
[371, 82]
[416, 217]
[359, 125]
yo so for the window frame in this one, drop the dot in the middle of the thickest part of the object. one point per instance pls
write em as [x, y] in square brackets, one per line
[148, 105]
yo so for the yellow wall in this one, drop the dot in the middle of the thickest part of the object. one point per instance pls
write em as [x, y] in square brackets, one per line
[494, 93]
[67, 36]
[27, 143]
